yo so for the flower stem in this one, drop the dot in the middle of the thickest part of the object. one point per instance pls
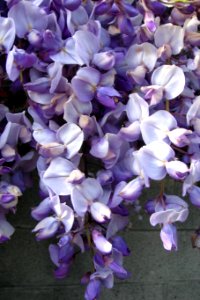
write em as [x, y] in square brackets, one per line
[167, 105]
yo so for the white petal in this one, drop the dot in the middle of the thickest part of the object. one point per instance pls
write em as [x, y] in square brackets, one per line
[100, 212]
[171, 78]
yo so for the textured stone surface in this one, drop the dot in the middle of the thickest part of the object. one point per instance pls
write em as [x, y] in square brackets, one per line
[122, 292]
[25, 262]
[26, 293]
[182, 290]
[26, 272]
[138, 291]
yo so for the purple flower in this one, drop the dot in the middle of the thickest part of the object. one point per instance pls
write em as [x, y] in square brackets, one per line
[137, 108]
[149, 21]
[93, 289]
[194, 195]
[17, 61]
[72, 137]
[88, 196]
[194, 175]
[68, 139]
[104, 274]
[104, 60]
[193, 115]
[3, 111]
[89, 83]
[171, 35]
[116, 198]
[194, 64]
[177, 169]
[87, 44]
[167, 81]
[10, 135]
[180, 136]
[42, 210]
[7, 33]
[103, 7]
[25, 125]
[174, 209]
[49, 225]
[118, 222]
[103, 101]
[9, 195]
[154, 129]
[106, 148]
[100, 212]
[153, 158]
[79, 49]
[74, 109]
[168, 235]
[62, 256]
[56, 176]
[144, 54]
[107, 266]
[100, 242]
[133, 189]
[46, 228]
[85, 82]
[6, 230]
[71, 4]
[27, 16]
[51, 83]
[120, 245]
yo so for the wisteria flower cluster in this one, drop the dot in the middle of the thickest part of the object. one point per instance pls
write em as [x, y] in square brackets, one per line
[102, 98]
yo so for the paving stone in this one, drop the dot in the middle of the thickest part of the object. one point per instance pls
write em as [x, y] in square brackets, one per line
[26, 294]
[188, 290]
[135, 291]
[26, 272]
[185, 290]
[149, 262]
[23, 261]
[120, 292]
